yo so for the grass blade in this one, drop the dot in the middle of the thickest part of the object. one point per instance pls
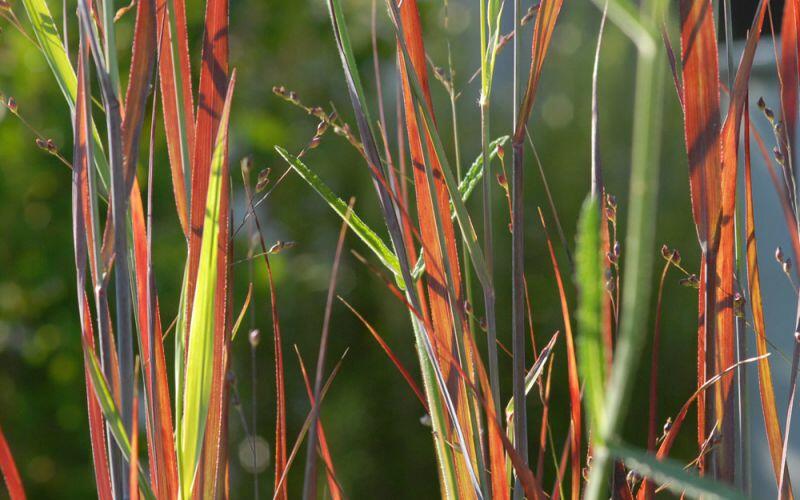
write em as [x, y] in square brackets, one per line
[672, 475]
[589, 280]
[356, 224]
[200, 358]
[112, 416]
[9, 470]
[765, 385]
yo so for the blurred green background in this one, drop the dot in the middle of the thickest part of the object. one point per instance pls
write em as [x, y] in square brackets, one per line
[371, 418]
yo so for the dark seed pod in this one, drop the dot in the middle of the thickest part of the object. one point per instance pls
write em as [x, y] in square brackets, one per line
[501, 179]
[779, 254]
[690, 281]
[666, 252]
[12, 104]
[787, 265]
[263, 179]
[762, 105]
[501, 151]
[778, 156]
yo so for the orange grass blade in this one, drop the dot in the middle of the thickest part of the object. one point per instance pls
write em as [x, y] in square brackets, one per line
[725, 335]
[330, 472]
[9, 470]
[163, 463]
[176, 101]
[436, 257]
[765, 386]
[789, 70]
[572, 370]
[700, 98]
[141, 75]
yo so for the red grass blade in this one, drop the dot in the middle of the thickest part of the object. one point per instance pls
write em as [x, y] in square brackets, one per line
[133, 467]
[9, 470]
[170, 100]
[163, 462]
[725, 335]
[572, 369]
[765, 386]
[397, 363]
[333, 483]
[700, 98]
[788, 69]
[141, 75]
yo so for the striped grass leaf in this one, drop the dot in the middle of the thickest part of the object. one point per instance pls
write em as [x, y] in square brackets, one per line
[672, 475]
[589, 280]
[112, 416]
[200, 350]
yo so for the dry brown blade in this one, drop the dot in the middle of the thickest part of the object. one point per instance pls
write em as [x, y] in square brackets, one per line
[572, 370]
[324, 451]
[169, 100]
[725, 334]
[765, 385]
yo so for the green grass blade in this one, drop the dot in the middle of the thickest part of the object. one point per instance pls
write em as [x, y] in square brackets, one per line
[589, 280]
[46, 31]
[672, 475]
[112, 417]
[200, 356]
[356, 224]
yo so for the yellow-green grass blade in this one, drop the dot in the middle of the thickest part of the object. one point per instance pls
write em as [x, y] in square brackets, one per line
[200, 358]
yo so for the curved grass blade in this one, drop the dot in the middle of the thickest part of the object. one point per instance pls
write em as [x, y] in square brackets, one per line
[9, 470]
[356, 224]
[765, 385]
